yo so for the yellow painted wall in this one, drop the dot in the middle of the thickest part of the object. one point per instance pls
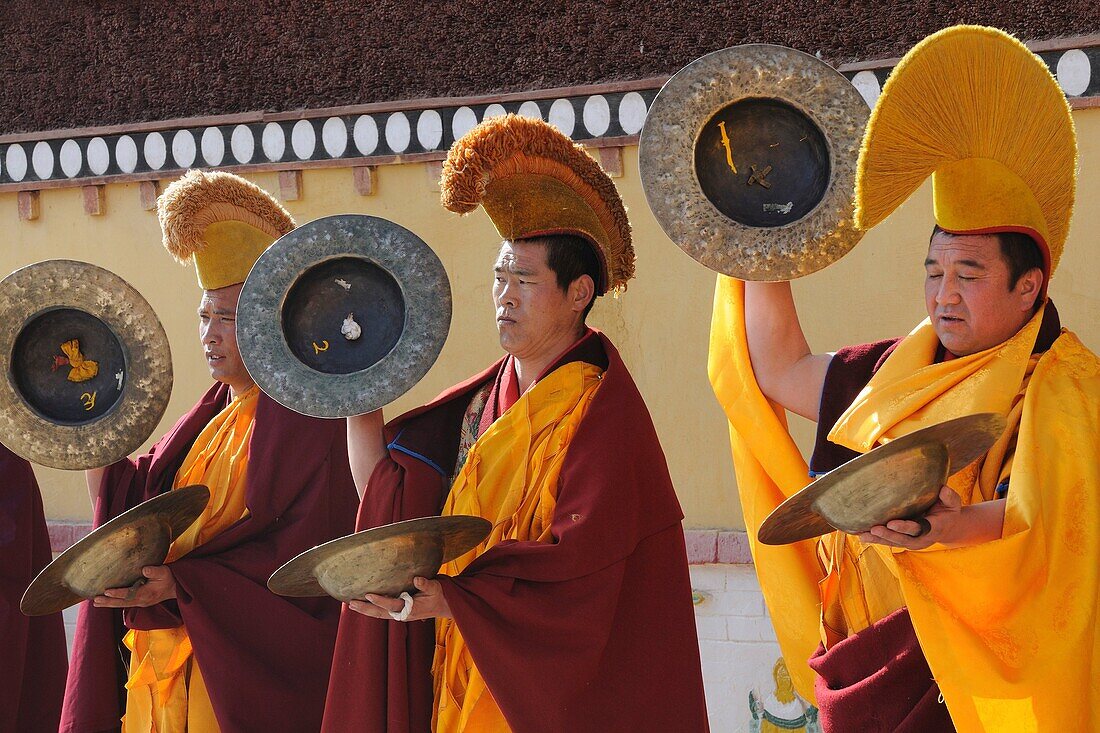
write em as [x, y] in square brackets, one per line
[660, 324]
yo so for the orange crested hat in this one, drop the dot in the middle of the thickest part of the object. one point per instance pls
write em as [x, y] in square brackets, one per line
[532, 180]
[981, 114]
[222, 222]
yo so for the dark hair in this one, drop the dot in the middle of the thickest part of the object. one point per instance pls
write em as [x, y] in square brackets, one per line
[569, 256]
[1020, 252]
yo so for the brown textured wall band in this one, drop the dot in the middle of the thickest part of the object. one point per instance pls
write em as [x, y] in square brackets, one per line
[73, 64]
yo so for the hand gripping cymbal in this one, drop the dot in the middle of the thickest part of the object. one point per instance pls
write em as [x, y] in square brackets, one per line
[900, 479]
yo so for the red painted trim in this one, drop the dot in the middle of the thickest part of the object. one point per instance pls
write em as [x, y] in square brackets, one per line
[64, 534]
[704, 546]
[707, 546]
[400, 105]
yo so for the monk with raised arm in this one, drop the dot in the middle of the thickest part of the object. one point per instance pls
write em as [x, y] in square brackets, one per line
[965, 618]
[208, 646]
[575, 614]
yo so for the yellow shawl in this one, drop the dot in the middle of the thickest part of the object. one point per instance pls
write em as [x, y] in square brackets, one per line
[769, 468]
[162, 658]
[1009, 627]
[510, 478]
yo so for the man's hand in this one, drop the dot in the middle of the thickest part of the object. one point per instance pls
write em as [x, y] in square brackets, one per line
[157, 585]
[428, 602]
[941, 522]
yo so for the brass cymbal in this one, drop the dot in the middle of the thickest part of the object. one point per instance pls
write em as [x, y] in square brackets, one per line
[112, 555]
[748, 161]
[382, 560]
[343, 315]
[89, 369]
[897, 480]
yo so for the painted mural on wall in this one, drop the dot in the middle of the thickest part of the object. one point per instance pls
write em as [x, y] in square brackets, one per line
[782, 709]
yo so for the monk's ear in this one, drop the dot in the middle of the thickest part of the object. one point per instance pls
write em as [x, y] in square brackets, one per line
[581, 292]
[1028, 287]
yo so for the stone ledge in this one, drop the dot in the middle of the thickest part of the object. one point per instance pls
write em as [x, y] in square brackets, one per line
[704, 546]
[64, 534]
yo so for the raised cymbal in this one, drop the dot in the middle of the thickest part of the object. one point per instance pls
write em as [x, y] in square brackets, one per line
[89, 370]
[343, 315]
[383, 560]
[112, 555]
[899, 479]
[748, 161]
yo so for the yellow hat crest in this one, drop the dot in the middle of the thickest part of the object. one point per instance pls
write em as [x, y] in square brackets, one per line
[533, 180]
[975, 109]
[221, 221]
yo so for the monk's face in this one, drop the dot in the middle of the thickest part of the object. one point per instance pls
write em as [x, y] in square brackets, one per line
[967, 292]
[218, 333]
[534, 315]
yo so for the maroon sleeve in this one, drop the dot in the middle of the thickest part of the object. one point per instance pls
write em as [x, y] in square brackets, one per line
[613, 650]
[32, 676]
[883, 663]
[849, 371]
[94, 691]
[381, 679]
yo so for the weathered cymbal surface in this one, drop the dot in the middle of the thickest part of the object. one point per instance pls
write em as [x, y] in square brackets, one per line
[967, 438]
[382, 560]
[90, 369]
[900, 479]
[112, 555]
[343, 315]
[898, 483]
[748, 159]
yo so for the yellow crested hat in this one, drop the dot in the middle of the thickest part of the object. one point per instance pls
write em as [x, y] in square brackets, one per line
[532, 180]
[221, 221]
[975, 109]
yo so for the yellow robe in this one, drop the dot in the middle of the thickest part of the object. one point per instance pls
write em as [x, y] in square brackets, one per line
[1009, 627]
[510, 477]
[165, 692]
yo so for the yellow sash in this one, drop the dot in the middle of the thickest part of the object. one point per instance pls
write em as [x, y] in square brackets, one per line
[510, 478]
[907, 393]
[1009, 627]
[769, 468]
[161, 659]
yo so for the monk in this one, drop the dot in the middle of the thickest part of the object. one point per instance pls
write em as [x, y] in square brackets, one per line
[32, 677]
[963, 618]
[575, 614]
[209, 647]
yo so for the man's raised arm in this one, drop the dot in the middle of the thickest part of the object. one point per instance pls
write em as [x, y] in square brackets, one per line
[366, 446]
[786, 370]
[94, 479]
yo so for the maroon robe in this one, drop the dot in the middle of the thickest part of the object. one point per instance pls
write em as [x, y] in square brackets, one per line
[32, 674]
[264, 658]
[878, 679]
[594, 631]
